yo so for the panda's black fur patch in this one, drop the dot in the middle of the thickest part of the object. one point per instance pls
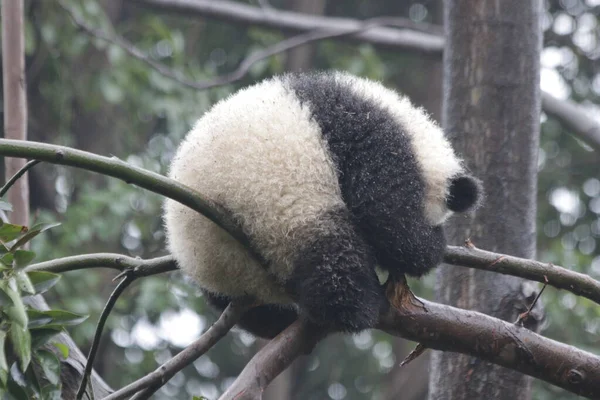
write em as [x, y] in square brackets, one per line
[379, 177]
[265, 321]
[334, 279]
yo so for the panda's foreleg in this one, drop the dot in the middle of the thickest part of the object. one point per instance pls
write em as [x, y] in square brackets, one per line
[334, 280]
[265, 321]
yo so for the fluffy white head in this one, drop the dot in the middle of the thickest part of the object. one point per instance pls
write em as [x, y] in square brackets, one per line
[435, 156]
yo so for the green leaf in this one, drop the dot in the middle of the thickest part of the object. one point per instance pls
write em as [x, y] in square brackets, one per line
[15, 391]
[3, 363]
[40, 337]
[24, 283]
[16, 312]
[17, 376]
[3, 249]
[58, 318]
[50, 366]
[63, 348]
[5, 205]
[7, 259]
[3, 379]
[5, 300]
[42, 281]
[37, 320]
[33, 232]
[10, 232]
[51, 393]
[21, 340]
[23, 258]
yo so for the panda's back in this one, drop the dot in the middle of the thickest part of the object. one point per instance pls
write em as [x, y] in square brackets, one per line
[284, 154]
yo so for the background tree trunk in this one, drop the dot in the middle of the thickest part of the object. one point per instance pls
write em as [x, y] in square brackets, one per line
[15, 102]
[301, 58]
[491, 111]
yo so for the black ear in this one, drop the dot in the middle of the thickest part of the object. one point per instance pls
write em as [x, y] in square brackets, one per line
[465, 193]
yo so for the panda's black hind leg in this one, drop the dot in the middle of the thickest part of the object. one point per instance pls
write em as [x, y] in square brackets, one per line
[334, 280]
[265, 321]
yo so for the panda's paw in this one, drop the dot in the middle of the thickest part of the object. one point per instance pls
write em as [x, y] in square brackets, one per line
[342, 293]
[352, 316]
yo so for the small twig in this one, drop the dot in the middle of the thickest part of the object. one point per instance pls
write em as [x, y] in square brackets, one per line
[148, 384]
[98, 334]
[523, 316]
[17, 175]
[417, 351]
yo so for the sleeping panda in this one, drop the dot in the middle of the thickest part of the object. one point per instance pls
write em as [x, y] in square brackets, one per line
[329, 175]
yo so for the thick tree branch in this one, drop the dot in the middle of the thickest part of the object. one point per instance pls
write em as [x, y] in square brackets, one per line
[559, 277]
[428, 40]
[445, 328]
[150, 383]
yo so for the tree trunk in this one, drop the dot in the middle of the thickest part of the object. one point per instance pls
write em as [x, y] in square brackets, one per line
[301, 58]
[15, 102]
[491, 112]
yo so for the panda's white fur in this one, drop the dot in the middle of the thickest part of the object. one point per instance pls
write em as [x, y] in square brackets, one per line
[261, 154]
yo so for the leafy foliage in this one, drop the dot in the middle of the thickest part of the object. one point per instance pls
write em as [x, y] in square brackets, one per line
[24, 331]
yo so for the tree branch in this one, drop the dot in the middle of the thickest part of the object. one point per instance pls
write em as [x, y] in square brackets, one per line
[559, 277]
[415, 39]
[119, 169]
[427, 40]
[150, 383]
[299, 338]
[244, 67]
[112, 300]
[445, 328]
[119, 262]
[574, 118]
[554, 275]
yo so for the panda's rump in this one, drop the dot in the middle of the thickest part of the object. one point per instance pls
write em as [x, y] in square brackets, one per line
[261, 156]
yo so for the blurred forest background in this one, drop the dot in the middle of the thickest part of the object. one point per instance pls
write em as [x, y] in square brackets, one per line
[85, 93]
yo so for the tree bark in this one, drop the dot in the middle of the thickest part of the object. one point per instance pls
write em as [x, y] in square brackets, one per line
[491, 112]
[15, 102]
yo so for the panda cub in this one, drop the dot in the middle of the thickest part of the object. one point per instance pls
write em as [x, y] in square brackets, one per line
[329, 175]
